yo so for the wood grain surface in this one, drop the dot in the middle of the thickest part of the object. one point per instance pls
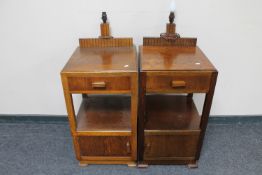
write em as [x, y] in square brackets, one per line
[180, 42]
[107, 42]
[102, 60]
[159, 58]
[169, 112]
[104, 113]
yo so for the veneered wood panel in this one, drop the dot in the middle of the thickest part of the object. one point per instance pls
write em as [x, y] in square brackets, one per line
[87, 83]
[102, 60]
[105, 146]
[171, 58]
[192, 82]
[164, 146]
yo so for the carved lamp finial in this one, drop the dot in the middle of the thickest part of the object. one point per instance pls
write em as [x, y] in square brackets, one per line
[171, 17]
[104, 17]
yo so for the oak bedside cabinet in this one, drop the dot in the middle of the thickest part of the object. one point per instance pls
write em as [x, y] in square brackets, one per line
[170, 129]
[105, 72]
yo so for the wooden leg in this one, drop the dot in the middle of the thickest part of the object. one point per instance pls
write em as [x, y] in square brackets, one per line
[83, 164]
[205, 113]
[134, 113]
[193, 165]
[141, 116]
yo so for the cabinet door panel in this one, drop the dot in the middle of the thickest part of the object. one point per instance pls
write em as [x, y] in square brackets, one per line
[161, 146]
[104, 146]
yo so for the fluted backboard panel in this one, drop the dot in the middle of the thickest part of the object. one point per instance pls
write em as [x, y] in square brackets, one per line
[110, 42]
[180, 42]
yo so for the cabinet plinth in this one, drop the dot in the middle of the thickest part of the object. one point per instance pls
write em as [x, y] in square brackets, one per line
[104, 128]
[170, 128]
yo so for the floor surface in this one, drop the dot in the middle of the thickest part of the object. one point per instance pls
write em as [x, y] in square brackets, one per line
[41, 149]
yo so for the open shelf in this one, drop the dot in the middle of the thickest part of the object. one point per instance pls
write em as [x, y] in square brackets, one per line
[104, 113]
[171, 112]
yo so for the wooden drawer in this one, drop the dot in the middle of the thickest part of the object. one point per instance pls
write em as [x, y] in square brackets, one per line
[118, 146]
[99, 83]
[168, 147]
[185, 82]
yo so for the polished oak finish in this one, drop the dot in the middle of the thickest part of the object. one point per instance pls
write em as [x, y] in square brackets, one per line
[105, 128]
[171, 131]
[155, 58]
[102, 60]
[101, 83]
[105, 30]
[178, 82]
[168, 147]
[115, 146]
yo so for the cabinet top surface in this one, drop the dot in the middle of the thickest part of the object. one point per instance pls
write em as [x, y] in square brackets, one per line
[95, 60]
[160, 58]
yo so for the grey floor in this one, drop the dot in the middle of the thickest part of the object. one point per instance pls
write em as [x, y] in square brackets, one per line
[35, 148]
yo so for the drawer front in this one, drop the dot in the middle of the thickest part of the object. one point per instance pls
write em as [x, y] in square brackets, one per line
[170, 146]
[179, 82]
[105, 146]
[99, 83]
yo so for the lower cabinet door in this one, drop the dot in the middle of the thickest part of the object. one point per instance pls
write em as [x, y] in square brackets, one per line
[168, 147]
[105, 146]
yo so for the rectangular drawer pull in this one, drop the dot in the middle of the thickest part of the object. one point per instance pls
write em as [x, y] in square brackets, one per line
[178, 84]
[100, 84]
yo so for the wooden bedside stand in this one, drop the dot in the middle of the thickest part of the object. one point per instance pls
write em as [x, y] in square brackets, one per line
[104, 130]
[171, 131]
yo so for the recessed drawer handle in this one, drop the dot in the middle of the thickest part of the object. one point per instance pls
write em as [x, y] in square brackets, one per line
[100, 84]
[178, 84]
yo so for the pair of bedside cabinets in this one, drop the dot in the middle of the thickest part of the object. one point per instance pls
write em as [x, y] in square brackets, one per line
[138, 109]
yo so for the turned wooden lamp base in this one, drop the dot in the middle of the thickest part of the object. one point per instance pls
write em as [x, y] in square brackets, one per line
[105, 31]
